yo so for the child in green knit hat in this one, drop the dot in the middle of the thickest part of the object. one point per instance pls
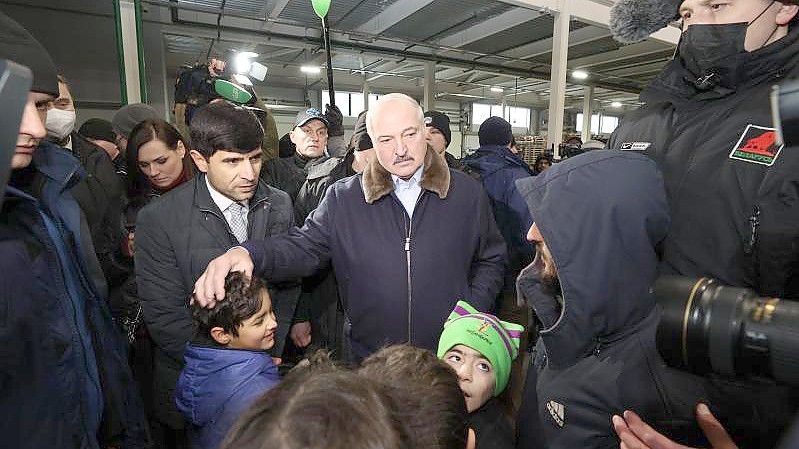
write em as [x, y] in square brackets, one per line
[480, 348]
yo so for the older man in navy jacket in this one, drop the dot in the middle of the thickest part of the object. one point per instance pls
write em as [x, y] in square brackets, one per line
[408, 238]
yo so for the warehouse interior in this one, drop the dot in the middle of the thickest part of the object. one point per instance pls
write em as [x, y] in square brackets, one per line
[467, 58]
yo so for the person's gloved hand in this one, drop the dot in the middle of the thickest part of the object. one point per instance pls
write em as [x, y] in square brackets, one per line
[336, 120]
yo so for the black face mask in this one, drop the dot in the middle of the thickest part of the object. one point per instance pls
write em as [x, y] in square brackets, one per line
[713, 54]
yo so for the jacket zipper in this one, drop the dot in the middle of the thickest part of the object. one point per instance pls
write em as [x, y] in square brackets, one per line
[233, 238]
[408, 222]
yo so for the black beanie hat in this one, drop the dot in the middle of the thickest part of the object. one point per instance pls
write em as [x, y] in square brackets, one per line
[98, 129]
[495, 131]
[360, 139]
[439, 121]
[18, 45]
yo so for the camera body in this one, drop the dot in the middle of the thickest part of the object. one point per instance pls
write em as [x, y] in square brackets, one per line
[710, 328]
[195, 87]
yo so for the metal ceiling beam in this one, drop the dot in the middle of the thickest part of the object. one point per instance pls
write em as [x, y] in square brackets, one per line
[280, 5]
[623, 53]
[544, 46]
[592, 12]
[450, 73]
[284, 52]
[494, 25]
[392, 15]
[273, 37]
[399, 69]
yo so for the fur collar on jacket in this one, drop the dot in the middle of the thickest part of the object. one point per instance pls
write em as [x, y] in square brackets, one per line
[377, 182]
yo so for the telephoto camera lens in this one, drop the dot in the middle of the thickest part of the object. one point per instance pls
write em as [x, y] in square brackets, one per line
[707, 327]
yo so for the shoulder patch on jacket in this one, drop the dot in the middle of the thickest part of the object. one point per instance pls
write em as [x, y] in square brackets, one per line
[558, 412]
[635, 146]
[757, 145]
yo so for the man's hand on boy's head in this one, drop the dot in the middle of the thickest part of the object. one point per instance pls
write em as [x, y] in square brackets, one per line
[210, 287]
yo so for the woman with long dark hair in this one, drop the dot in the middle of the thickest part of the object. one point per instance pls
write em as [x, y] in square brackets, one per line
[158, 159]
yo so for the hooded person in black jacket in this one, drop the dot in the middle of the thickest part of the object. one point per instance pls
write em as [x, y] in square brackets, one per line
[598, 219]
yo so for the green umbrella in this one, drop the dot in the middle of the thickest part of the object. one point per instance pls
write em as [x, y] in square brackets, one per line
[321, 7]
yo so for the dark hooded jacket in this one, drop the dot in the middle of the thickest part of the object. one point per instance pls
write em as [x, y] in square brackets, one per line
[65, 377]
[601, 215]
[400, 278]
[217, 385]
[733, 216]
[498, 170]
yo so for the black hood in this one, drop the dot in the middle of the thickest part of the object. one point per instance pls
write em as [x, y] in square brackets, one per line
[601, 214]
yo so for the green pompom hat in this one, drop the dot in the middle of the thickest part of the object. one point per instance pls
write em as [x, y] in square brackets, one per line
[496, 340]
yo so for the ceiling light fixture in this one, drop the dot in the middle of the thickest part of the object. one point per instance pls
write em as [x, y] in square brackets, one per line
[311, 69]
[498, 90]
[616, 104]
[580, 74]
[243, 61]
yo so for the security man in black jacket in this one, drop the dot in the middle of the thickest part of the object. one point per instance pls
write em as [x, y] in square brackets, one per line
[707, 122]
[731, 186]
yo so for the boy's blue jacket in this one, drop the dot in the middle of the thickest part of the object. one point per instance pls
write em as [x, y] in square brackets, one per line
[217, 385]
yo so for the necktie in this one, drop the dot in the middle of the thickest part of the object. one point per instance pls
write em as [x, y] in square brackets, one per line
[237, 223]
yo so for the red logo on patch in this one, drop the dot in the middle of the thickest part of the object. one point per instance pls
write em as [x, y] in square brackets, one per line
[757, 145]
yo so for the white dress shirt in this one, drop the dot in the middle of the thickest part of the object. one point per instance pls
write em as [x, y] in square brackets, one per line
[408, 191]
[224, 203]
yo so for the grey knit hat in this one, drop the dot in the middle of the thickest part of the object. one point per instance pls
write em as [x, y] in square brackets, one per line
[634, 20]
[127, 117]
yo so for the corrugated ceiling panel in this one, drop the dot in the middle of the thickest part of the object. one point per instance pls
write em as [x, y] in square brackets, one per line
[443, 17]
[253, 8]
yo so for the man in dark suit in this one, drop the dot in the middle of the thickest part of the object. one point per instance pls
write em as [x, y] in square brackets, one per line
[178, 234]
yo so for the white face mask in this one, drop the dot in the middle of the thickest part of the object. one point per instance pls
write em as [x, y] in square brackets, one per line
[60, 123]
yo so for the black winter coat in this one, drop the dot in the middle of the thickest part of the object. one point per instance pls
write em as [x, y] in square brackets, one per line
[177, 235]
[734, 199]
[491, 426]
[731, 188]
[596, 354]
[320, 176]
[288, 174]
[400, 278]
[319, 302]
[100, 196]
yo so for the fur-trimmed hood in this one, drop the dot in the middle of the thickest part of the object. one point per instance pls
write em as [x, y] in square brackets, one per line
[377, 181]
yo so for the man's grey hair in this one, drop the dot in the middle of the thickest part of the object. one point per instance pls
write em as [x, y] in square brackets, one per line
[381, 104]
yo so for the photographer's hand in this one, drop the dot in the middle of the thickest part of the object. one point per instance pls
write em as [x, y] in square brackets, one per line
[216, 67]
[634, 433]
